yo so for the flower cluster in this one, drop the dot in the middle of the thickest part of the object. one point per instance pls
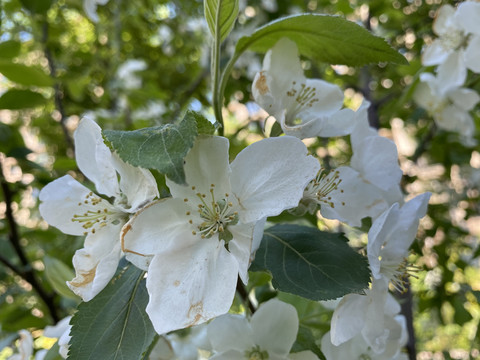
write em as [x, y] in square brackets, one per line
[197, 242]
[455, 51]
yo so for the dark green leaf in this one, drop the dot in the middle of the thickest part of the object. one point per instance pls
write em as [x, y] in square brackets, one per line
[25, 75]
[204, 126]
[15, 99]
[114, 324]
[329, 39]
[311, 263]
[227, 11]
[161, 147]
[37, 6]
[9, 49]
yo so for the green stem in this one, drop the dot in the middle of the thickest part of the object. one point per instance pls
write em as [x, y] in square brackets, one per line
[217, 95]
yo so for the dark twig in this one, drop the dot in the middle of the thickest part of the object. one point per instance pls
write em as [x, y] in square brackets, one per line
[58, 93]
[244, 295]
[424, 142]
[26, 272]
[406, 302]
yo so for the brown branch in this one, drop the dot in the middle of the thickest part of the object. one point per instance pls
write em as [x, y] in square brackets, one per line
[58, 92]
[244, 295]
[26, 271]
[406, 303]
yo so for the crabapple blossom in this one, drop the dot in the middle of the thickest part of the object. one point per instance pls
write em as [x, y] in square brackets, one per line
[269, 334]
[365, 188]
[198, 242]
[450, 108]
[304, 107]
[75, 210]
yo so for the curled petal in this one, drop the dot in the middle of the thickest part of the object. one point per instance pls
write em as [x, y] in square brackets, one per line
[94, 158]
[191, 286]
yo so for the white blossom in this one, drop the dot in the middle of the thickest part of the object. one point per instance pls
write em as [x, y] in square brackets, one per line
[304, 107]
[449, 107]
[269, 334]
[90, 7]
[196, 243]
[75, 210]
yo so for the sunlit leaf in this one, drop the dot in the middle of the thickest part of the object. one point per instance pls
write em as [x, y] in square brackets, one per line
[221, 16]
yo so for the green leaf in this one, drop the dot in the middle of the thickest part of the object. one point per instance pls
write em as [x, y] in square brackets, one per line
[114, 324]
[204, 126]
[161, 147]
[329, 39]
[15, 99]
[37, 6]
[53, 353]
[221, 16]
[57, 274]
[9, 49]
[311, 263]
[306, 341]
[25, 75]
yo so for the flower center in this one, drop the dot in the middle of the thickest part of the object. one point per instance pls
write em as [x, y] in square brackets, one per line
[215, 215]
[305, 96]
[256, 354]
[101, 214]
[453, 39]
[398, 274]
[319, 189]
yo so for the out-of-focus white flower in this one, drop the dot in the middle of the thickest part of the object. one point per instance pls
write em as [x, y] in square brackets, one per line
[75, 210]
[457, 47]
[304, 107]
[269, 334]
[90, 7]
[390, 238]
[367, 187]
[126, 74]
[196, 243]
[365, 315]
[61, 331]
[358, 348]
[449, 107]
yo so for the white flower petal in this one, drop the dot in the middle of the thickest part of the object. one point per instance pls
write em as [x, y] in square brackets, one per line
[61, 200]
[137, 184]
[275, 326]
[270, 175]
[96, 263]
[161, 226]
[435, 53]
[241, 247]
[94, 158]
[444, 20]
[452, 72]
[348, 318]
[354, 199]
[376, 158]
[467, 15]
[229, 355]
[472, 53]
[464, 98]
[205, 164]
[190, 286]
[230, 332]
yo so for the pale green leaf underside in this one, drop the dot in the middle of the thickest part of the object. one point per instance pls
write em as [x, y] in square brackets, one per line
[25, 75]
[227, 10]
[114, 324]
[328, 39]
[161, 147]
[310, 263]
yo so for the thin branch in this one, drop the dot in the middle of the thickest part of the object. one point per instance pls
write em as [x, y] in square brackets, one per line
[422, 147]
[27, 271]
[244, 295]
[406, 303]
[58, 93]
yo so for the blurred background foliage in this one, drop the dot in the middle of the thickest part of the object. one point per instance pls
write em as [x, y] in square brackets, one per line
[144, 64]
